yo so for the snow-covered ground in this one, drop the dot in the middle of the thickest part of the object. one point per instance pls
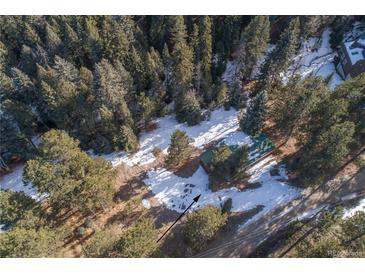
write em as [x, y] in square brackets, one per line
[349, 212]
[14, 181]
[315, 57]
[177, 193]
[237, 138]
[220, 124]
[232, 71]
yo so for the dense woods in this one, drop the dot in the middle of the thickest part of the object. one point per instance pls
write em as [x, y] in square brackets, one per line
[72, 87]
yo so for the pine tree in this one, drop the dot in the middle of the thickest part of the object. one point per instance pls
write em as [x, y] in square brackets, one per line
[111, 83]
[3, 56]
[91, 39]
[255, 41]
[340, 25]
[241, 157]
[53, 41]
[279, 59]
[195, 46]
[222, 95]
[139, 240]
[220, 166]
[324, 153]
[188, 109]
[71, 44]
[353, 231]
[168, 66]
[137, 68]
[27, 60]
[14, 206]
[309, 25]
[182, 58]
[101, 244]
[253, 120]
[205, 30]
[148, 108]
[353, 92]
[71, 178]
[202, 226]
[30, 36]
[115, 41]
[179, 149]
[24, 118]
[30, 243]
[296, 102]
[238, 96]
[13, 144]
[24, 89]
[129, 141]
[156, 77]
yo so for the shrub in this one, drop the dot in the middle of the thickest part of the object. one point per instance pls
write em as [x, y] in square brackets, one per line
[202, 226]
[222, 95]
[180, 148]
[226, 165]
[156, 152]
[139, 241]
[30, 243]
[220, 165]
[13, 206]
[100, 244]
[128, 139]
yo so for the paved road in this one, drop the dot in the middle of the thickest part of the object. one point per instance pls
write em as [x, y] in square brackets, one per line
[247, 239]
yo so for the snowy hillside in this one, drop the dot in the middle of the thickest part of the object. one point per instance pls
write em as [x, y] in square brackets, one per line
[177, 193]
[349, 212]
[14, 181]
[220, 124]
[315, 57]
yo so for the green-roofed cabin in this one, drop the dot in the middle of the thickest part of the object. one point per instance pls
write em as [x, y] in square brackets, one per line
[261, 145]
[207, 156]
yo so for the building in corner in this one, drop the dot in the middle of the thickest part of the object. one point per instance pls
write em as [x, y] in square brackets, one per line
[352, 58]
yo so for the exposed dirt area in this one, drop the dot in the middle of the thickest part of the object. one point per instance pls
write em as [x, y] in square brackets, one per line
[241, 185]
[174, 245]
[188, 168]
[127, 208]
[235, 220]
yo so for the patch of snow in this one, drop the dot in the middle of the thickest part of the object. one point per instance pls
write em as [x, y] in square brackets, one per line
[232, 71]
[36, 140]
[220, 124]
[256, 70]
[349, 197]
[14, 181]
[146, 203]
[1, 228]
[177, 193]
[315, 57]
[310, 213]
[238, 138]
[349, 212]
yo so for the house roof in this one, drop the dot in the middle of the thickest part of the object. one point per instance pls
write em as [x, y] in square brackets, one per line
[207, 156]
[260, 145]
[355, 49]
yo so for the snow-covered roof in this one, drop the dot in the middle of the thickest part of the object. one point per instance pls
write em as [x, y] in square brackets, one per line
[355, 49]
